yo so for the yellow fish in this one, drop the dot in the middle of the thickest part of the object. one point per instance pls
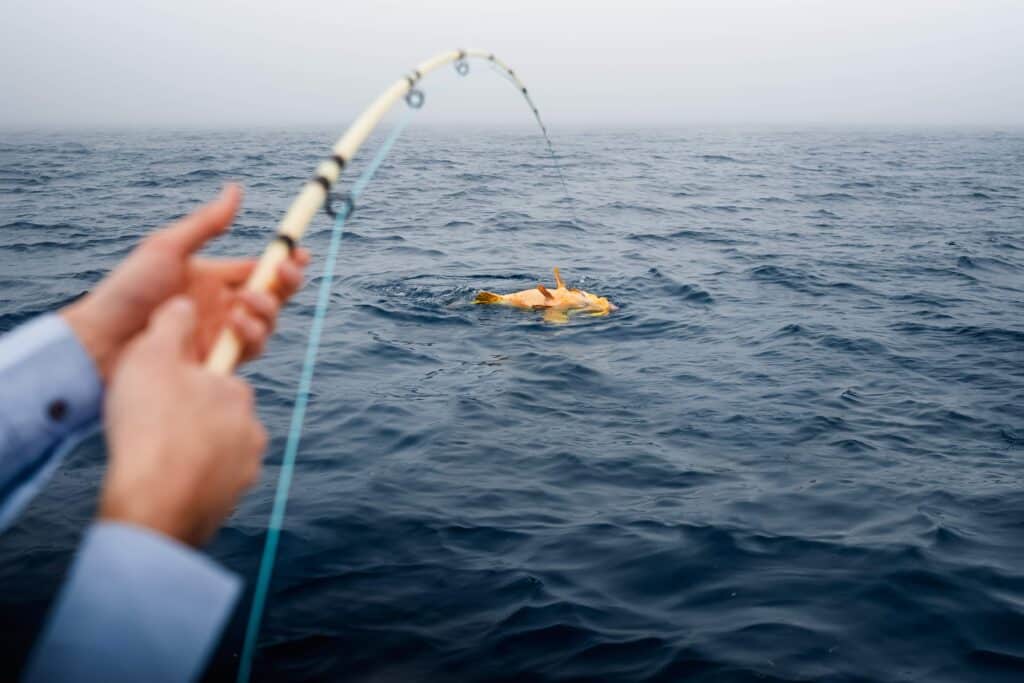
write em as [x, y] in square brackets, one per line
[556, 304]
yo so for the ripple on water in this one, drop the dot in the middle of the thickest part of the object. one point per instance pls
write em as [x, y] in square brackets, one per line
[792, 454]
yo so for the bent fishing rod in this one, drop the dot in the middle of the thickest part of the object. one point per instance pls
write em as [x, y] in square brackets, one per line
[315, 194]
[227, 350]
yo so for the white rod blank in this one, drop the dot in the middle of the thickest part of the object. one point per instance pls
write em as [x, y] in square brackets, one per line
[227, 350]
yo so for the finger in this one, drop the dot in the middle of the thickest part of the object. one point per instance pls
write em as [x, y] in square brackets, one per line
[253, 351]
[301, 257]
[260, 304]
[257, 438]
[194, 230]
[230, 271]
[172, 327]
[289, 279]
[252, 332]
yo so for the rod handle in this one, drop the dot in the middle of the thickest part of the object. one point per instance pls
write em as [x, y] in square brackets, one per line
[227, 350]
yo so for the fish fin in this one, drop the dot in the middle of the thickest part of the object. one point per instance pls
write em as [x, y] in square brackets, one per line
[556, 316]
[544, 290]
[559, 283]
[488, 298]
[540, 307]
[599, 314]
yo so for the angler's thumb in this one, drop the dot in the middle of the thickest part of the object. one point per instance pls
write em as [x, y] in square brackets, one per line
[172, 325]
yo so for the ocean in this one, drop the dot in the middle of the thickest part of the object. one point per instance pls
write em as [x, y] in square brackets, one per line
[795, 453]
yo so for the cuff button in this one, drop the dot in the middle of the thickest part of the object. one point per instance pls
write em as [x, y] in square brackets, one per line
[57, 410]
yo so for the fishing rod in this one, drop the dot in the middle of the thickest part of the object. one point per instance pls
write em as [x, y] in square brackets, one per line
[316, 194]
[227, 349]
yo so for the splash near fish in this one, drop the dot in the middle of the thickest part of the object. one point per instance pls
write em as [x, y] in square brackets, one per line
[557, 304]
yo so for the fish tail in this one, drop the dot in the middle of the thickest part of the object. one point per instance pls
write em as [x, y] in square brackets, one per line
[487, 298]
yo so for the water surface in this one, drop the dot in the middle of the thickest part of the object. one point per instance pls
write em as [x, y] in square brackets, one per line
[795, 453]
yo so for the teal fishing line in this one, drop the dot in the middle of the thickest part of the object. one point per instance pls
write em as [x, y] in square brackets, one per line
[414, 99]
[291, 448]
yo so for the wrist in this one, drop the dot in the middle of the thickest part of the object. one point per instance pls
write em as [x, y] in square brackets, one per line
[119, 509]
[93, 333]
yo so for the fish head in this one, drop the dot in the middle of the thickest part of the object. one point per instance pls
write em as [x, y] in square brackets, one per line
[599, 304]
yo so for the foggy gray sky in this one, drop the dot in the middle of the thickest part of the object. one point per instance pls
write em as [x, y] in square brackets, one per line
[186, 62]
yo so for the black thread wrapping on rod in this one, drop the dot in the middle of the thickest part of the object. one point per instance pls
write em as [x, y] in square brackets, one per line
[288, 241]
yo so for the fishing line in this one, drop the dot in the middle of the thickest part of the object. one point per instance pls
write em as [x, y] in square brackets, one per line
[222, 359]
[291, 448]
[227, 350]
[554, 157]
[503, 72]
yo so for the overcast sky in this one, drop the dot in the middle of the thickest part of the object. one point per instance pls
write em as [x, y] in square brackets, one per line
[210, 63]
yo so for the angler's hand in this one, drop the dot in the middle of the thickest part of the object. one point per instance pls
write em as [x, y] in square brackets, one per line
[184, 442]
[164, 265]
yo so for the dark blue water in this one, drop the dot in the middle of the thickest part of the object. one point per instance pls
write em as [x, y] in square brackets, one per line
[795, 453]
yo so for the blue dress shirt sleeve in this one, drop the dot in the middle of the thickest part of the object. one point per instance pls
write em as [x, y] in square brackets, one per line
[137, 606]
[50, 392]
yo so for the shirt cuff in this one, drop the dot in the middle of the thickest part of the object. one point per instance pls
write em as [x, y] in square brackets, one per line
[137, 605]
[49, 388]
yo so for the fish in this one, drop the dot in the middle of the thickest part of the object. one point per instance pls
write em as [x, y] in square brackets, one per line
[556, 303]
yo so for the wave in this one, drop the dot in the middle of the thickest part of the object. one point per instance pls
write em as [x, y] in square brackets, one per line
[797, 441]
